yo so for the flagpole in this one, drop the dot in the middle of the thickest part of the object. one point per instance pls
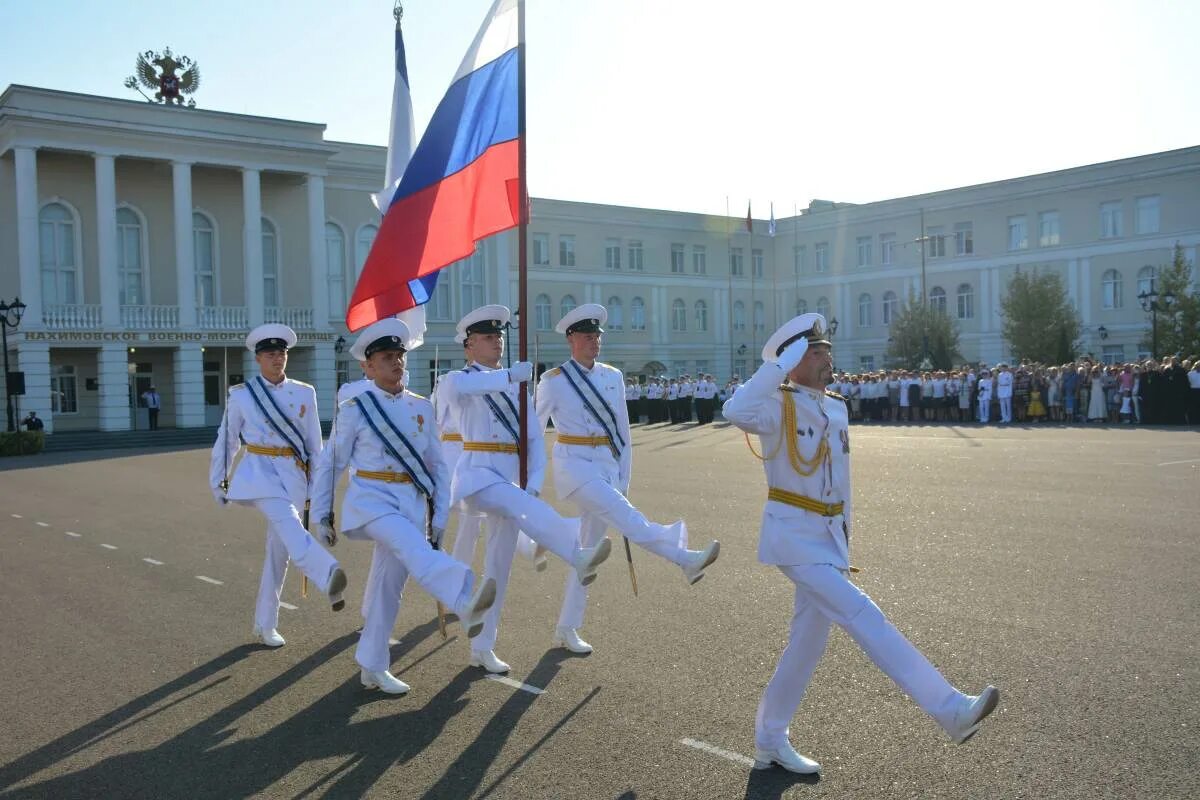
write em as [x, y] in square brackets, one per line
[729, 273]
[753, 294]
[522, 237]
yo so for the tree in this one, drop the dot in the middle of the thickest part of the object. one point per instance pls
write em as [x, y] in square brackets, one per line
[910, 327]
[1179, 328]
[1040, 324]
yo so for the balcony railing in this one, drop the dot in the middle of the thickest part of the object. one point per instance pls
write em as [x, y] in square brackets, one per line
[295, 318]
[149, 317]
[72, 317]
[222, 318]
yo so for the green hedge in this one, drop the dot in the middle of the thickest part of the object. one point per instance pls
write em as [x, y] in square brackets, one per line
[22, 443]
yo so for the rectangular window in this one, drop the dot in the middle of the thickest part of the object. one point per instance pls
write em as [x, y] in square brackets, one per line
[699, 260]
[864, 251]
[756, 262]
[739, 367]
[677, 258]
[566, 251]
[798, 259]
[1145, 214]
[821, 257]
[1114, 354]
[541, 249]
[63, 390]
[612, 254]
[887, 245]
[736, 266]
[1018, 235]
[935, 241]
[866, 363]
[964, 239]
[1110, 220]
[438, 307]
[636, 260]
[1048, 235]
[471, 281]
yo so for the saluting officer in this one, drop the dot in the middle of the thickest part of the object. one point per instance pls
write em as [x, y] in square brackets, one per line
[485, 400]
[276, 418]
[806, 526]
[593, 458]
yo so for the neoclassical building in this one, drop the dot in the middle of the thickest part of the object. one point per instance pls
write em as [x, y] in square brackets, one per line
[145, 241]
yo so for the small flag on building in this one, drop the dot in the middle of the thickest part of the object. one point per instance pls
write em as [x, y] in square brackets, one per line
[749, 219]
[771, 224]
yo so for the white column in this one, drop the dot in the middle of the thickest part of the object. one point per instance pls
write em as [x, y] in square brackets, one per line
[33, 358]
[849, 320]
[985, 301]
[106, 239]
[27, 243]
[322, 373]
[252, 244]
[1073, 282]
[189, 386]
[1085, 291]
[657, 312]
[185, 265]
[112, 374]
[250, 368]
[506, 272]
[316, 255]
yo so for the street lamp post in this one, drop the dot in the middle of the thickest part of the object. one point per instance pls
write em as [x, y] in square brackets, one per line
[10, 317]
[1154, 304]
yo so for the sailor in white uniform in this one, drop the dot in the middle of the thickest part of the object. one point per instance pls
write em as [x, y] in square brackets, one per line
[275, 419]
[593, 459]
[806, 524]
[399, 487]
[485, 401]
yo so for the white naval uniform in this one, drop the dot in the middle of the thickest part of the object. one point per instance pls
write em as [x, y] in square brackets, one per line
[392, 514]
[592, 477]
[1004, 393]
[488, 482]
[275, 485]
[812, 550]
[985, 399]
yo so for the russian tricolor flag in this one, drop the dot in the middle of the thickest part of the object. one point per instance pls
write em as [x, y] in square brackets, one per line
[461, 185]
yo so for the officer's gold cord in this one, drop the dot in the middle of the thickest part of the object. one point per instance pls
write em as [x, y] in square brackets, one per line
[803, 466]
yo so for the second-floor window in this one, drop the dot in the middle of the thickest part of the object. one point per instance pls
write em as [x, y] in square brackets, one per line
[1145, 215]
[964, 239]
[821, 257]
[541, 249]
[566, 250]
[1018, 234]
[612, 254]
[864, 251]
[270, 264]
[1048, 233]
[56, 245]
[1110, 220]
[636, 257]
[677, 258]
[736, 265]
[129, 258]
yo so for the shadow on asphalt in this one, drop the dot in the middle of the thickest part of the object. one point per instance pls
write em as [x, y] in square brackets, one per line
[770, 784]
[84, 456]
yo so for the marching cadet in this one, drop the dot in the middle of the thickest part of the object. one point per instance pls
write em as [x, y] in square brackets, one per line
[276, 418]
[484, 399]
[806, 528]
[399, 487]
[673, 401]
[593, 457]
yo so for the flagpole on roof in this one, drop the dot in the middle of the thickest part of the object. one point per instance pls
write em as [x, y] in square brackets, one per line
[522, 240]
[729, 276]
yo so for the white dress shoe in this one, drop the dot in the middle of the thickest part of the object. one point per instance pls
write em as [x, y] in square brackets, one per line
[700, 560]
[383, 681]
[969, 716]
[337, 585]
[569, 638]
[786, 757]
[588, 558]
[270, 637]
[471, 615]
[487, 659]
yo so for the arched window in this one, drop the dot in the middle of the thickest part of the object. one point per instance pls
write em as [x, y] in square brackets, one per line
[1146, 277]
[823, 307]
[362, 246]
[760, 317]
[637, 315]
[204, 259]
[864, 310]
[1112, 289]
[678, 316]
[541, 312]
[891, 305]
[335, 269]
[616, 314]
[937, 299]
[966, 301]
[56, 239]
[801, 306]
[130, 262]
[270, 255]
[566, 306]
[739, 316]
[701, 309]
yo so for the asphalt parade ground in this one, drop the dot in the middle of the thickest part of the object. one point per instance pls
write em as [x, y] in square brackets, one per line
[1058, 563]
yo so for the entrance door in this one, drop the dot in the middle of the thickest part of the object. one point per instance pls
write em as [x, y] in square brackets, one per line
[141, 378]
[213, 394]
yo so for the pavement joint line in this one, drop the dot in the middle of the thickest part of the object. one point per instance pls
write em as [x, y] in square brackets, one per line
[42, 524]
[288, 606]
[109, 546]
[1163, 464]
[153, 561]
[75, 535]
[507, 681]
[736, 758]
[207, 579]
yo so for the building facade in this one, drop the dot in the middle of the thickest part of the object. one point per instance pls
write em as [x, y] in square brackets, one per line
[145, 242]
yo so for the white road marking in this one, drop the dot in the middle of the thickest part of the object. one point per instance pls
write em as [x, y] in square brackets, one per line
[42, 524]
[74, 534]
[153, 561]
[1164, 464]
[507, 681]
[736, 758]
[16, 516]
[109, 546]
[207, 579]
[288, 606]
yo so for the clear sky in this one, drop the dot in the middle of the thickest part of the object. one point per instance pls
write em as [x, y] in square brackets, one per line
[679, 104]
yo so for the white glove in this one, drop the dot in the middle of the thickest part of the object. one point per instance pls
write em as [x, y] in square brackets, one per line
[219, 495]
[436, 535]
[533, 492]
[520, 372]
[792, 354]
[328, 532]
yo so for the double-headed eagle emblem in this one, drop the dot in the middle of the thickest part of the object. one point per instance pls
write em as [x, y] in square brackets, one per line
[168, 86]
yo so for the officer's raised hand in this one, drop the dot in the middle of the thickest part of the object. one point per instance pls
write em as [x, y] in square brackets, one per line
[792, 354]
[520, 372]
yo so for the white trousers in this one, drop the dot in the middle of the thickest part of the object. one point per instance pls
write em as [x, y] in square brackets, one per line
[469, 526]
[286, 539]
[511, 509]
[401, 550]
[604, 507]
[1006, 409]
[985, 409]
[824, 595]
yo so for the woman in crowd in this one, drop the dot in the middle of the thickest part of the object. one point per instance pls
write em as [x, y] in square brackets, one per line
[1097, 409]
